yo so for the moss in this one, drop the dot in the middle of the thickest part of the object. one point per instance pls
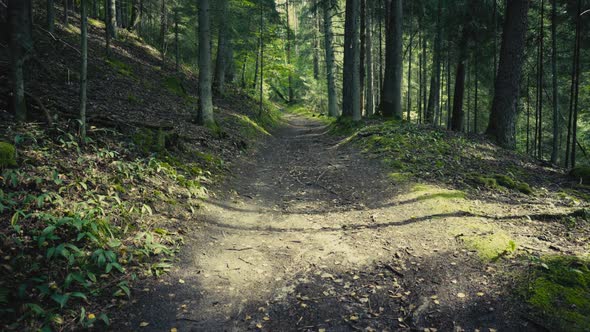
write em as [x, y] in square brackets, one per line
[491, 247]
[505, 181]
[399, 177]
[121, 67]
[443, 195]
[559, 293]
[150, 140]
[250, 128]
[582, 173]
[96, 23]
[119, 188]
[485, 181]
[132, 99]
[7, 155]
[174, 85]
[524, 188]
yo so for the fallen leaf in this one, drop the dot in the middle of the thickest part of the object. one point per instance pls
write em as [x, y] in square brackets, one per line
[181, 281]
[173, 329]
[461, 295]
[266, 318]
[259, 325]
[354, 318]
[143, 324]
[480, 294]
[436, 302]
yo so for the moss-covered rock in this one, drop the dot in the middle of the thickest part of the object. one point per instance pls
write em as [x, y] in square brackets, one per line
[7, 155]
[485, 181]
[581, 172]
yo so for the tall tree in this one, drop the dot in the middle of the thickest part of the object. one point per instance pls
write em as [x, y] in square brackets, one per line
[67, 12]
[290, 76]
[434, 98]
[351, 104]
[83, 65]
[554, 146]
[110, 11]
[50, 15]
[570, 154]
[502, 124]
[458, 116]
[329, 49]
[222, 48]
[164, 29]
[391, 97]
[370, 101]
[541, 81]
[205, 113]
[20, 43]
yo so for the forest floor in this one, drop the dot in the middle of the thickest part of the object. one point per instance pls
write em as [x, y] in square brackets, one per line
[311, 234]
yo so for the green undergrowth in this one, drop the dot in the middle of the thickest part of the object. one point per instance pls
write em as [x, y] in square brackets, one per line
[558, 292]
[305, 111]
[411, 150]
[82, 222]
[121, 67]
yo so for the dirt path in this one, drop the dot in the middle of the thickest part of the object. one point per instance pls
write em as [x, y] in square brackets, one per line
[311, 235]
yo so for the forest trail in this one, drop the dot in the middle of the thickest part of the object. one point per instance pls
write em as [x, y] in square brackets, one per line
[310, 234]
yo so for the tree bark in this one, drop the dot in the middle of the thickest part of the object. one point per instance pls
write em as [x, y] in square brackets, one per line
[541, 81]
[50, 15]
[205, 114]
[434, 97]
[164, 28]
[391, 99]
[554, 150]
[135, 14]
[457, 118]
[370, 101]
[176, 43]
[351, 76]
[111, 18]
[220, 62]
[502, 124]
[83, 66]
[329, 49]
[20, 44]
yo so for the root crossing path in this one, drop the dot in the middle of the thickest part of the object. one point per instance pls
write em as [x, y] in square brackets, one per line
[310, 234]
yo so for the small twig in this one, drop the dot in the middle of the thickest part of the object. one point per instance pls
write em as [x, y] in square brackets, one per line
[245, 261]
[239, 249]
[59, 39]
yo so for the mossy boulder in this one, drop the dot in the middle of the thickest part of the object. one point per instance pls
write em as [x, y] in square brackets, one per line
[581, 172]
[505, 181]
[524, 188]
[7, 155]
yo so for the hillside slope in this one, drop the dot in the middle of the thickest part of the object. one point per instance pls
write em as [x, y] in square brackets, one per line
[83, 220]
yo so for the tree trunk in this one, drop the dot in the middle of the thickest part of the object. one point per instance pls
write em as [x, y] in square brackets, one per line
[220, 62]
[135, 14]
[554, 150]
[363, 5]
[83, 66]
[370, 101]
[351, 84]
[118, 7]
[50, 15]
[576, 86]
[316, 42]
[176, 44]
[541, 81]
[66, 12]
[391, 99]
[433, 100]
[20, 44]
[502, 124]
[409, 104]
[290, 78]
[164, 27]
[330, 71]
[112, 19]
[457, 118]
[205, 114]
[261, 87]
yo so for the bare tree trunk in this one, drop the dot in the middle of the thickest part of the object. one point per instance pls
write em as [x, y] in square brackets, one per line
[50, 15]
[66, 12]
[541, 82]
[83, 66]
[316, 42]
[554, 150]
[330, 71]
[261, 60]
[433, 100]
[164, 28]
[370, 101]
[409, 104]
[176, 44]
[363, 5]
[20, 43]
[391, 99]
[289, 51]
[112, 19]
[351, 85]
[205, 114]
[220, 63]
[457, 118]
[502, 124]
[576, 86]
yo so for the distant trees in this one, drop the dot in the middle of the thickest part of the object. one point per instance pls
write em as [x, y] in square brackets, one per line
[502, 124]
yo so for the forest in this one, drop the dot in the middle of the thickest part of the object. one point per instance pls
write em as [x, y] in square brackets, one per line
[294, 165]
